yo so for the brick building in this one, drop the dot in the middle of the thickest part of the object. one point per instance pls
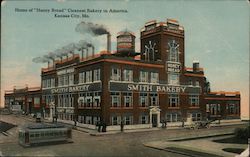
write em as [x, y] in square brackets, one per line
[140, 89]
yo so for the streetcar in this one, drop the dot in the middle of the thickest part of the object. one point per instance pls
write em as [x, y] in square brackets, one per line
[44, 133]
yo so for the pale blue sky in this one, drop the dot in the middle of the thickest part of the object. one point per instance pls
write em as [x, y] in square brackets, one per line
[216, 34]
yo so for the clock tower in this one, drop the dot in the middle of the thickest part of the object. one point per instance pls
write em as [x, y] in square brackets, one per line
[164, 42]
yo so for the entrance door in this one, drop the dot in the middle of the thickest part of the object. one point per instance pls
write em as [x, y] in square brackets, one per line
[154, 120]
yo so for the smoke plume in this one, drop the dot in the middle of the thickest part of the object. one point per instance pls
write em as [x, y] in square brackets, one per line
[69, 48]
[94, 29]
[40, 60]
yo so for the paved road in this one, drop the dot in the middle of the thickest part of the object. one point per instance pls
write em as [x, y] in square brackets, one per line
[122, 144]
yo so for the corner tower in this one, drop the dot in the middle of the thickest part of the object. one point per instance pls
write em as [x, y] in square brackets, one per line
[164, 41]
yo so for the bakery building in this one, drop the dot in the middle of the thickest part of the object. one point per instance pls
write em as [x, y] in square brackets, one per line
[140, 89]
[23, 99]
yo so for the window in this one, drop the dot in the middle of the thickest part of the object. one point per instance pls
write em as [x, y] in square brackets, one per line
[115, 99]
[143, 76]
[88, 100]
[36, 100]
[127, 75]
[197, 83]
[196, 116]
[66, 79]
[88, 120]
[173, 100]
[173, 51]
[60, 80]
[233, 108]
[153, 99]
[173, 117]
[97, 99]
[97, 75]
[194, 100]
[88, 76]
[71, 100]
[81, 119]
[53, 83]
[82, 77]
[48, 83]
[143, 99]
[154, 77]
[71, 79]
[44, 83]
[144, 119]
[96, 119]
[115, 120]
[128, 120]
[128, 100]
[115, 74]
[173, 79]
[190, 82]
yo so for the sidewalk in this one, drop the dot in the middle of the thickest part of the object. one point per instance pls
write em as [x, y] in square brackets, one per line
[202, 143]
[94, 132]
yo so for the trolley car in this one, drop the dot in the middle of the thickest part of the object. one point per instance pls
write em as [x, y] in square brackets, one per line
[44, 133]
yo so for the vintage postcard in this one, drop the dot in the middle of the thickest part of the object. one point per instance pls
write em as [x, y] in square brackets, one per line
[124, 78]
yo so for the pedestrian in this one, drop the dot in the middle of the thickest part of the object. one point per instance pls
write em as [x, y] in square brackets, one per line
[98, 124]
[122, 126]
[75, 121]
[182, 122]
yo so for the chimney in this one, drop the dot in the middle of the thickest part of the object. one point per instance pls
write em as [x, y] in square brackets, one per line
[93, 50]
[109, 42]
[196, 66]
[87, 52]
[53, 63]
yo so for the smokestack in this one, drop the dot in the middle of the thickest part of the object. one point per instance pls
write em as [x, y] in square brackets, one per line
[109, 42]
[87, 52]
[93, 50]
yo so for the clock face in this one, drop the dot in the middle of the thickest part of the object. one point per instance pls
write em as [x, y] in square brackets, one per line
[150, 49]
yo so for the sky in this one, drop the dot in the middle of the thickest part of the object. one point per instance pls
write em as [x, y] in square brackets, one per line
[216, 34]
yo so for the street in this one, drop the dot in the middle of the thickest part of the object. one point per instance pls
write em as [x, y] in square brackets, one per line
[119, 144]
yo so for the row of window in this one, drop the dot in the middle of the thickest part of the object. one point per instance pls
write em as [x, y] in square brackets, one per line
[144, 100]
[90, 76]
[65, 116]
[150, 99]
[145, 76]
[65, 80]
[88, 119]
[59, 133]
[48, 83]
[144, 119]
[215, 109]
[65, 100]
[88, 99]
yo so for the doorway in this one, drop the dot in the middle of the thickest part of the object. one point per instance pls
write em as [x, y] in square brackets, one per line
[154, 120]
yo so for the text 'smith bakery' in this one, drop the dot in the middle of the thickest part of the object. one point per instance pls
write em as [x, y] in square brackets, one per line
[141, 89]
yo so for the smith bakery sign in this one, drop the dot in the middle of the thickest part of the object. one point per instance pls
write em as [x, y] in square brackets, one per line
[117, 86]
[76, 88]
